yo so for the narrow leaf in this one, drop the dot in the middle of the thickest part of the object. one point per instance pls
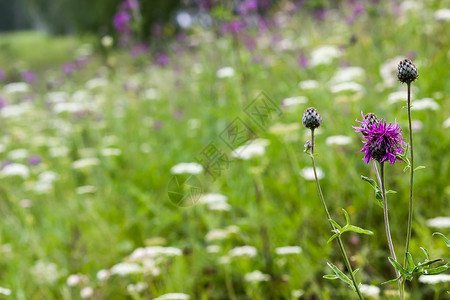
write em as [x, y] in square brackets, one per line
[411, 264]
[355, 271]
[427, 254]
[392, 280]
[370, 181]
[391, 192]
[335, 224]
[398, 267]
[347, 218]
[357, 229]
[419, 168]
[430, 262]
[331, 277]
[437, 270]
[340, 275]
[447, 241]
[332, 237]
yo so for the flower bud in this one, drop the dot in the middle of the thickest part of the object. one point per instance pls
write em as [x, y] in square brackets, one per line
[406, 71]
[311, 118]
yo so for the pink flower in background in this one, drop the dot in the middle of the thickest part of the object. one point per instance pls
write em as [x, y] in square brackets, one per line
[121, 22]
[29, 76]
[130, 5]
[233, 27]
[162, 59]
[69, 68]
[139, 50]
[34, 160]
[3, 102]
[302, 61]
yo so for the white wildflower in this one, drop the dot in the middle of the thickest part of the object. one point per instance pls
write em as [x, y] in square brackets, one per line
[293, 101]
[16, 87]
[137, 288]
[184, 19]
[434, 279]
[340, 140]
[173, 296]
[308, 173]
[153, 252]
[86, 189]
[446, 123]
[256, 276]
[324, 55]
[283, 129]
[253, 148]
[15, 170]
[243, 251]
[2, 148]
[187, 168]
[439, 222]
[26, 203]
[347, 86]
[86, 292]
[107, 41]
[96, 83]
[103, 275]
[370, 290]
[442, 14]
[219, 206]
[85, 163]
[426, 103]
[220, 234]
[69, 107]
[212, 198]
[213, 249]
[416, 125]
[13, 111]
[225, 72]
[111, 152]
[296, 294]
[398, 96]
[56, 97]
[18, 154]
[288, 250]
[123, 269]
[308, 84]
[45, 272]
[388, 71]
[75, 279]
[5, 291]
[150, 94]
[224, 260]
[347, 74]
[59, 151]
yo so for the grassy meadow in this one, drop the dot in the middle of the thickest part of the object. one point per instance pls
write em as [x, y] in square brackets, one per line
[88, 158]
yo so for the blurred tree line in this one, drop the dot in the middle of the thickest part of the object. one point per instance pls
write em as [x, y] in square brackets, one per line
[79, 16]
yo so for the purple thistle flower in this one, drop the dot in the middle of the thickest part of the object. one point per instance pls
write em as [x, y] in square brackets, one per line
[29, 76]
[130, 5]
[69, 68]
[121, 22]
[382, 142]
[34, 160]
[233, 27]
[162, 59]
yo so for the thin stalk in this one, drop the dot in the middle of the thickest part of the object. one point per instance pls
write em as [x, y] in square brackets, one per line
[386, 225]
[411, 183]
[341, 245]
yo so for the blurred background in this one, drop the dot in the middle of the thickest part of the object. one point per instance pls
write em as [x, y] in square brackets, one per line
[154, 149]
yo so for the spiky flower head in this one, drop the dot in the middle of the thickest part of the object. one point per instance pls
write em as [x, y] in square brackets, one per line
[406, 71]
[311, 118]
[382, 142]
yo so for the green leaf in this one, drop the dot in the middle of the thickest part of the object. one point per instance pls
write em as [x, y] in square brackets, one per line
[447, 241]
[335, 224]
[411, 264]
[398, 267]
[332, 237]
[430, 262]
[437, 270]
[427, 254]
[419, 168]
[355, 271]
[392, 280]
[331, 277]
[357, 229]
[347, 218]
[370, 181]
[391, 192]
[341, 275]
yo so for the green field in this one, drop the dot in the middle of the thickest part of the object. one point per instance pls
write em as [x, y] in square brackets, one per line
[108, 136]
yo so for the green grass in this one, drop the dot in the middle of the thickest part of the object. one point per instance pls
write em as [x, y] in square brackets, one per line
[84, 233]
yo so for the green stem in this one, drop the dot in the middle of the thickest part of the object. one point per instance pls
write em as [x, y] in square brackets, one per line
[386, 225]
[341, 245]
[411, 183]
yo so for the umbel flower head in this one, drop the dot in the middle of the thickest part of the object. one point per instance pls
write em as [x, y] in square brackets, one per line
[406, 71]
[311, 118]
[382, 142]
